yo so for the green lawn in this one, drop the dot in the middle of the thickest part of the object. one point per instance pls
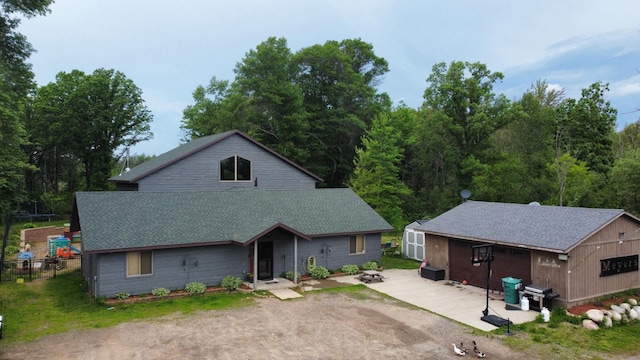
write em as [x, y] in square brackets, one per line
[62, 304]
[46, 307]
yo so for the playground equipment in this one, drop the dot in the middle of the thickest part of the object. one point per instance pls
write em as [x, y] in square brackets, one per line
[73, 248]
[55, 244]
[64, 253]
[61, 248]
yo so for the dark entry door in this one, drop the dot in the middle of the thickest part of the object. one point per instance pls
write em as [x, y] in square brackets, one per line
[265, 260]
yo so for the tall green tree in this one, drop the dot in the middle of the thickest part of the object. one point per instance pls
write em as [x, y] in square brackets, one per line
[375, 178]
[272, 109]
[574, 181]
[318, 101]
[91, 116]
[586, 126]
[627, 141]
[210, 113]
[464, 93]
[625, 179]
[431, 165]
[465, 112]
[16, 83]
[263, 101]
[338, 81]
[524, 147]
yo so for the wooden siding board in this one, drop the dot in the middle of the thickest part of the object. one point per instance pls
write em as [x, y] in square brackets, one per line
[549, 271]
[200, 171]
[584, 282]
[437, 252]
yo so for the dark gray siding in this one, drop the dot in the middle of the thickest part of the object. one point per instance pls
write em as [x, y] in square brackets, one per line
[172, 269]
[330, 252]
[89, 270]
[200, 171]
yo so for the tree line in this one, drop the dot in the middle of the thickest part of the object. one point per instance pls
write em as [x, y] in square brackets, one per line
[321, 107]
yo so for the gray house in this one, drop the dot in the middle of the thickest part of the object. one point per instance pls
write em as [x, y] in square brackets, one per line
[579, 253]
[219, 205]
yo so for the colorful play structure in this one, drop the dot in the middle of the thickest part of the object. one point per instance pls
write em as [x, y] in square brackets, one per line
[61, 248]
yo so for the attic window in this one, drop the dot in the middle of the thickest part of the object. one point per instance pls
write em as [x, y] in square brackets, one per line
[621, 235]
[235, 168]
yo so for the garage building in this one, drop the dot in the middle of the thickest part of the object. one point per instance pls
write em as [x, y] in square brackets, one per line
[580, 253]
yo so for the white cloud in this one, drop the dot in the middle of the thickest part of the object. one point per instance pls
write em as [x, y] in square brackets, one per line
[169, 48]
[627, 87]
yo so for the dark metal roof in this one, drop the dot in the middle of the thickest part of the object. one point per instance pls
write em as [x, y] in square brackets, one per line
[125, 220]
[170, 157]
[552, 228]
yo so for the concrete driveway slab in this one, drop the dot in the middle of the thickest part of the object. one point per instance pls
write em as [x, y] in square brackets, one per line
[462, 303]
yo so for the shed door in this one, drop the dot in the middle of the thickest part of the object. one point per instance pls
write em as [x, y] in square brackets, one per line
[414, 244]
[507, 262]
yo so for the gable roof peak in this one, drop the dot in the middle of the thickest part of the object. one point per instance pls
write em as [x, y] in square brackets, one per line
[187, 149]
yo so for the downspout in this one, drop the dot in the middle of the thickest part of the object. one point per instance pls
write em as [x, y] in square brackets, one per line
[255, 265]
[295, 259]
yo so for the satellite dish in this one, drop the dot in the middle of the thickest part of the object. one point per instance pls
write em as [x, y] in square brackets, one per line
[465, 194]
[534, 203]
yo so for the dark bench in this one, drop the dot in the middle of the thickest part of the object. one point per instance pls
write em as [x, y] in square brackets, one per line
[432, 273]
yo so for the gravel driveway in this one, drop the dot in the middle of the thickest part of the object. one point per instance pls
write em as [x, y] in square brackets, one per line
[318, 326]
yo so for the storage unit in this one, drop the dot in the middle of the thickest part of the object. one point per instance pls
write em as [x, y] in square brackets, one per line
[432, 273]
[511, 287]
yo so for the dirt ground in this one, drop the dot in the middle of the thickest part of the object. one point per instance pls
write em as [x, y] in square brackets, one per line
[318, 326]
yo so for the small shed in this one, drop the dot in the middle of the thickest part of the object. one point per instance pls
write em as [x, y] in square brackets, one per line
[413, 241]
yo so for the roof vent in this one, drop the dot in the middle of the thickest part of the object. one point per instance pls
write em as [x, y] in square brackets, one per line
[534, 203]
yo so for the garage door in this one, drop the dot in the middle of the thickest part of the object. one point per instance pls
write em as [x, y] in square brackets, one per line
[507, 262]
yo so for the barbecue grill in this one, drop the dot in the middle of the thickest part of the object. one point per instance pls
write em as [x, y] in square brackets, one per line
[539, 296]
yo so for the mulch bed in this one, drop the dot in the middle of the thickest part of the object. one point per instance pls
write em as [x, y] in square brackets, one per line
[602, 305]
[177, 293]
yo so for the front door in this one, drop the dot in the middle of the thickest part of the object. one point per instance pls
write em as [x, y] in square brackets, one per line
[265, 260]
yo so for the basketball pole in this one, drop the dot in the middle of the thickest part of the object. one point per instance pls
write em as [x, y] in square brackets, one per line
[486, 309]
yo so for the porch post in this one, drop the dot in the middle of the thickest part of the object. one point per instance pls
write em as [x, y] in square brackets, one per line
[255, 265]
[295, 259]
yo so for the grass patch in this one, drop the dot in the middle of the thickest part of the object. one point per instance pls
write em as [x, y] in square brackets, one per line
[62, 304]
[561, 339]
[392, 262]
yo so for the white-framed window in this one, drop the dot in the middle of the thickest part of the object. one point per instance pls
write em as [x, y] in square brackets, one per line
[235, 168]
[139, 263]
[356, 244]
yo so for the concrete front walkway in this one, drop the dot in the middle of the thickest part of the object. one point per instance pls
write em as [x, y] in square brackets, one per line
[462, 303]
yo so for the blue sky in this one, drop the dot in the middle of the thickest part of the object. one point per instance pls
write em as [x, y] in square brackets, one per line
[168, 48]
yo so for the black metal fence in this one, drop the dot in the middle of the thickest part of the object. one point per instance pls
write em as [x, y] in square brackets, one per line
[33, 269]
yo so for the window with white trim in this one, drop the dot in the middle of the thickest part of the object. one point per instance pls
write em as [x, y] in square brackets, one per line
[139, 263]
[356, 244]
[235, 168]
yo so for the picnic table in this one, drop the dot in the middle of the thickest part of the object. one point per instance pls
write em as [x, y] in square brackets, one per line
[368, 276]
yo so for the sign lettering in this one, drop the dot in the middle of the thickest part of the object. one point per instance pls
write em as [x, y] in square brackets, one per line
[618, 265]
